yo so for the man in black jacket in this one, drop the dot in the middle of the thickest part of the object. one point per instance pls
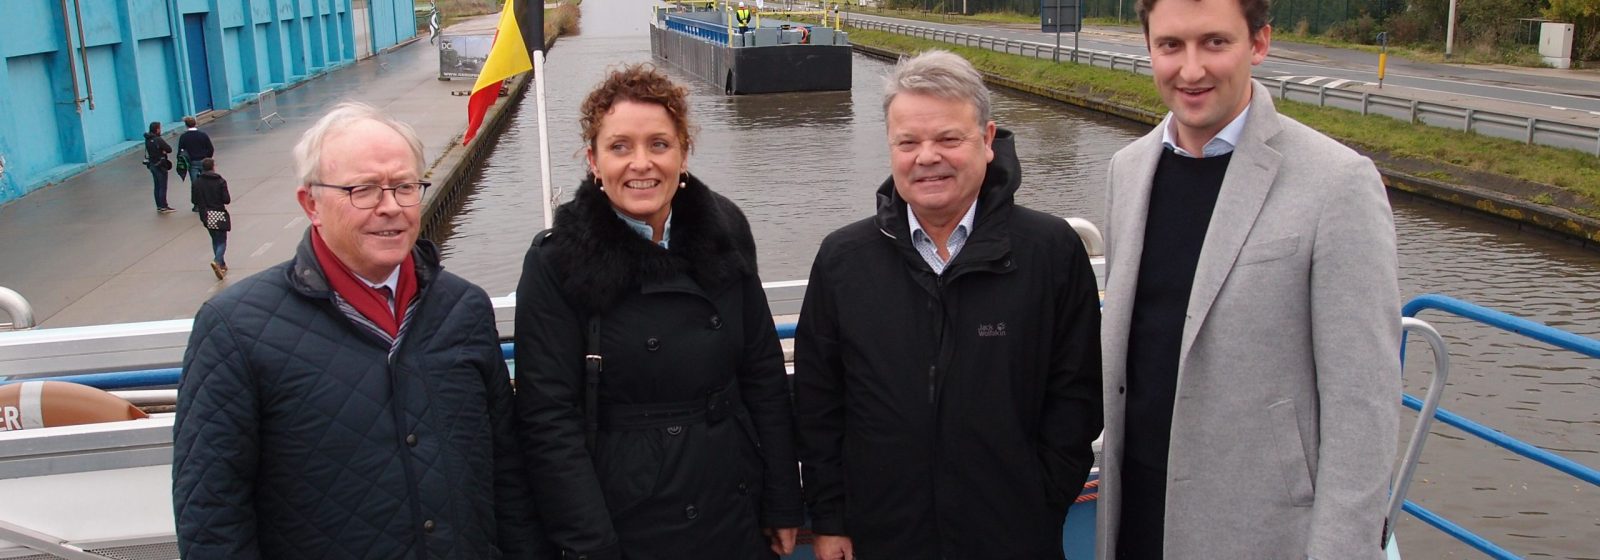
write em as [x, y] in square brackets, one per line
[947, 363]
[155, 159]
[194, 145]
[352, 402]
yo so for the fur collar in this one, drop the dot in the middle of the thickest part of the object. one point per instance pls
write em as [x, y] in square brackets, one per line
[600, 260]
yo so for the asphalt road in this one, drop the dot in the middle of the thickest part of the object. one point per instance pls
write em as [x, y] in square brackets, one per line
[1544, 89]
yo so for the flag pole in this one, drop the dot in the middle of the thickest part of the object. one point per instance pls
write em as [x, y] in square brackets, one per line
[544, 138]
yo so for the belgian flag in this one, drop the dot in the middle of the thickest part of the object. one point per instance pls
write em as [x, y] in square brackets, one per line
[521, 31]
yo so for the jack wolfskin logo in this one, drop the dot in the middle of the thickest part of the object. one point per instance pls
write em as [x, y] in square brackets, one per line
[997, 329]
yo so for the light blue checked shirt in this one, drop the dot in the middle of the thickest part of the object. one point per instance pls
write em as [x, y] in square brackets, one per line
[958, 238]
[1222, 143]
[644, 230]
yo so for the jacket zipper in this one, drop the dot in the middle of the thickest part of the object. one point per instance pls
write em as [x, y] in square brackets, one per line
[933, 369]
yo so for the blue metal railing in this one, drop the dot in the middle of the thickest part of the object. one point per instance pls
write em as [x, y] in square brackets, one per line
[1517, 325]
[1530, 329]
[703, 30]
[159, 377]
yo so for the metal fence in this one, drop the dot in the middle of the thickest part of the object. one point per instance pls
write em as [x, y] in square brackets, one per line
[267, 109]
[1318, 15]
[1530, 130]
[1115, 61]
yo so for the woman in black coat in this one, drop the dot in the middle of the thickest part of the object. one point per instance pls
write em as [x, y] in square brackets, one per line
[209, 195]
[681, 444]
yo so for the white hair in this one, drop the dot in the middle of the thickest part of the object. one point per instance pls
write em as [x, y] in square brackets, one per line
[938, 73]
[308, 152]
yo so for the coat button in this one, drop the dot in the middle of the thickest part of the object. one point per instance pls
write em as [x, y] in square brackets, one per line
[427, 526]
[411, 440]
[744, 488]
[1121, 389]
[716, 322]
[652, 344]
[691, 512]
[674, 430]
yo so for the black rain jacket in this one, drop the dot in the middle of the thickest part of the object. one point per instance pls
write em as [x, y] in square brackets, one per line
[949, 416]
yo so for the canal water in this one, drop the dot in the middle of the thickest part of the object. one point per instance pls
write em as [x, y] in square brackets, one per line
[802, 165]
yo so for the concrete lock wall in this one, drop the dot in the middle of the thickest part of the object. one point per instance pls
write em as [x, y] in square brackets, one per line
[155, 60]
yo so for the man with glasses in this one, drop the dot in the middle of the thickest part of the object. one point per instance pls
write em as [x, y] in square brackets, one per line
[353, 401]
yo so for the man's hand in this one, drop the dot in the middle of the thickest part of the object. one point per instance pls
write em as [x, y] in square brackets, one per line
[833, 547]
[782, 539]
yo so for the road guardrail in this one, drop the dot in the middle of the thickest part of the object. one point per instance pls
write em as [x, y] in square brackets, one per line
[1529, 130]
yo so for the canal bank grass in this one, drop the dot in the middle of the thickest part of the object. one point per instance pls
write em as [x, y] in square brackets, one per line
[937, 15]
[560, 20]
[1124, 88]
[1459, 154]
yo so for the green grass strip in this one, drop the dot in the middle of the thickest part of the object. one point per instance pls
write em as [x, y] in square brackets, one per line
[1571, 170]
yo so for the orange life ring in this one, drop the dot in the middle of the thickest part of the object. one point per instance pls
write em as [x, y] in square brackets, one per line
[44, 404]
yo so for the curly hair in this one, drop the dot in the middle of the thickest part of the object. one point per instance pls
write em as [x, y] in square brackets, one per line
[639, 83]
[1257, 14]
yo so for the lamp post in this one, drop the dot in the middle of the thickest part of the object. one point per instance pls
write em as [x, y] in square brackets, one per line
[1450, 31]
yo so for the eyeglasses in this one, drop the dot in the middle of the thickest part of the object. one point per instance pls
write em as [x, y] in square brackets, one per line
[367, 197]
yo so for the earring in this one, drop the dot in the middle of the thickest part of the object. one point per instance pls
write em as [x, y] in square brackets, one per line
[597, 184]
[683, 180]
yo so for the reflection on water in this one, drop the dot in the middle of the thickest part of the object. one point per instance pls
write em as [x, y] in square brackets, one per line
[802, 165]
[809, 116]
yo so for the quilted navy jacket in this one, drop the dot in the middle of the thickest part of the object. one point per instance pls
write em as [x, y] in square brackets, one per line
[300, 434]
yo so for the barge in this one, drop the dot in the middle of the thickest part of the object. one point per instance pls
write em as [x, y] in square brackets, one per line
[773, 52]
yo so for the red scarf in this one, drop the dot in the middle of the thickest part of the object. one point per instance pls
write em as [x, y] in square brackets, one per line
[362, 296]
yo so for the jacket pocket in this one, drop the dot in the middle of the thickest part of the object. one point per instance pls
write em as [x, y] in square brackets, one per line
[1269, 250]
[1289, 451]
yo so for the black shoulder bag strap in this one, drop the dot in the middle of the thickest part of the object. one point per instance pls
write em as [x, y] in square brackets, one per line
[592, 363]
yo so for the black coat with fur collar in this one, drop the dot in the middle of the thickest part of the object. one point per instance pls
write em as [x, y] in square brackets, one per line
[676, 325]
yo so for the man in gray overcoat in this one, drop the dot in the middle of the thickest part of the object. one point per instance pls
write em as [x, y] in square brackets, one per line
[1251, 329]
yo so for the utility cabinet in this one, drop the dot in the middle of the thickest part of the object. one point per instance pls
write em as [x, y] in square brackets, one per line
[1555, 44]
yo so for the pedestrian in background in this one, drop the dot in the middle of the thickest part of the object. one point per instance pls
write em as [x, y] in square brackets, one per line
[156, 149]
[194, 146]
[210, 197]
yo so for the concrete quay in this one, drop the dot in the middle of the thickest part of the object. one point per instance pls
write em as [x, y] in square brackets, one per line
[93, 250]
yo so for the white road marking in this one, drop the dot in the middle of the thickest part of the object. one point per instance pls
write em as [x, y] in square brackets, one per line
[1476, 84]
[294, 222]
[263, 249]
[1337, 83]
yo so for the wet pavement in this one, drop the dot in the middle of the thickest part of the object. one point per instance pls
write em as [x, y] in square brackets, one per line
[92, 249]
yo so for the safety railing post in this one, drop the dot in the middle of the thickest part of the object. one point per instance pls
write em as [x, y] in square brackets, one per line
[1419, 434]
[1532, 124]
[18, 308]
[1466, 121]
